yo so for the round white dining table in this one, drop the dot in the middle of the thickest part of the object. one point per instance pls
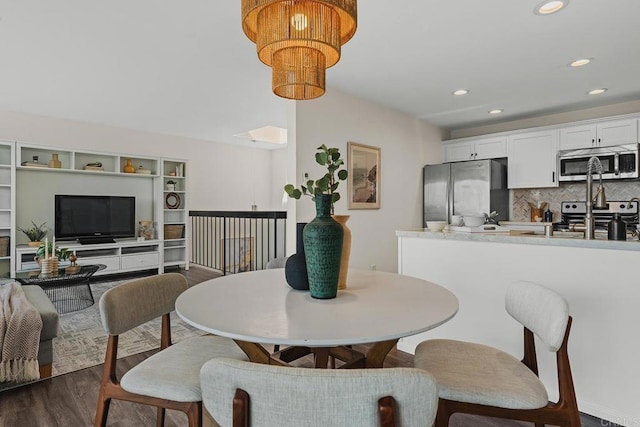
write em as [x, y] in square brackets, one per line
[258, 307]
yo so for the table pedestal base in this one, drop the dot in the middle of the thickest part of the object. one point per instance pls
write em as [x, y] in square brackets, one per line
[324, 356]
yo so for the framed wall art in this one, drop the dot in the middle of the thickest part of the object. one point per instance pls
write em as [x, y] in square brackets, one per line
[363, 182]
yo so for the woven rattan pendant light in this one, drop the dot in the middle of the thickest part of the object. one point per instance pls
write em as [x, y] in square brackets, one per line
[299, 39]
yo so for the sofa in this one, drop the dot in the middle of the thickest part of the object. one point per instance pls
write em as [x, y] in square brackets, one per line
[49, 315]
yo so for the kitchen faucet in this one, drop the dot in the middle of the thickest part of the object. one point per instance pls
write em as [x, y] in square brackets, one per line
[633, 199]
[601, 200]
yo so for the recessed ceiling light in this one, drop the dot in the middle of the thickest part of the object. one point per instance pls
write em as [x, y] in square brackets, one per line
[496, 111]
[597, 91]
[580, 62]
[548, 7]
[460, 92]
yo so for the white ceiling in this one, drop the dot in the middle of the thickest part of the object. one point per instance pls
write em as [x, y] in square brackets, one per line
[186, 68]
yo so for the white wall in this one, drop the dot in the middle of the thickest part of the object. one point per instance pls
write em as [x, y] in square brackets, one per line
[278, 178]
[406, 145]
[222, 176]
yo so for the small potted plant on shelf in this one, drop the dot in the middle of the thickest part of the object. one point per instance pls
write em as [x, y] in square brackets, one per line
[35, 234]
[61, 253]
[171, 185]
[48, 257]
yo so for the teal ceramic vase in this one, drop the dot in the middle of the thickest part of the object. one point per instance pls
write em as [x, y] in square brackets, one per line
[322, 239]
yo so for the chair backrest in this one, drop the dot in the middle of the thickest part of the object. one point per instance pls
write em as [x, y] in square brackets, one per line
[287, 396]
[138, 301]
[539, 309]
[277, 263]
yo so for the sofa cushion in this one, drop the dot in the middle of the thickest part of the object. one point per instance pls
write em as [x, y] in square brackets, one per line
[43, 304]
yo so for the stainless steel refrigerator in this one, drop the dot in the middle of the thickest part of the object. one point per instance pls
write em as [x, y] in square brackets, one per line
[465, 188]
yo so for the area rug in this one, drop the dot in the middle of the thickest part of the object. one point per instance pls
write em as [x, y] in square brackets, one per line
[82, 342]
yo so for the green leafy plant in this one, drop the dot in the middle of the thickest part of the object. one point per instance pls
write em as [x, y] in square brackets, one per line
[61, 253]
[35, 233]
[328, 183]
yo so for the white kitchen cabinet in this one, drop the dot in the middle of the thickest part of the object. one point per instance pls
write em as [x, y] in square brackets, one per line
[532, 159]
[475, 149]
[602, 134]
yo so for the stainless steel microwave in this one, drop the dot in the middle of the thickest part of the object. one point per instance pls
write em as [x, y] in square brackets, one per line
[618, 162]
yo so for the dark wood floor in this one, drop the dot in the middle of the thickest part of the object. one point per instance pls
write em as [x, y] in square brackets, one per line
[70, 400]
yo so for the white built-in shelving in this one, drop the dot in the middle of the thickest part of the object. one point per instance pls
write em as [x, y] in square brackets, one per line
[175, 213]
[37, 158]
[7, 202]
[25, 168]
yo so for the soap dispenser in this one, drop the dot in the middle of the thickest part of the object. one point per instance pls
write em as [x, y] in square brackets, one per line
[617, 228]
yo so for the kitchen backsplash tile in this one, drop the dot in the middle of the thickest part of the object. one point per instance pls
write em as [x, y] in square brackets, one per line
[614, 190]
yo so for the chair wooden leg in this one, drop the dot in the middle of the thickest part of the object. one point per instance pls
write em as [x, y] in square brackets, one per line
[102, 411]
[386, 411]
[194, 414]
[241, 409]
[160, 417]
[443, 414]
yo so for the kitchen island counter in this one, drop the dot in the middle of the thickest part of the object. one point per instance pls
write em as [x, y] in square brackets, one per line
[596, 277]
[560, 238]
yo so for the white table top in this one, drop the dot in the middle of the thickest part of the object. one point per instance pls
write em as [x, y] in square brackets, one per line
[260, 307]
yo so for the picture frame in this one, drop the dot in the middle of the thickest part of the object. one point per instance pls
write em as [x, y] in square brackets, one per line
[363, 182]
[237, 254]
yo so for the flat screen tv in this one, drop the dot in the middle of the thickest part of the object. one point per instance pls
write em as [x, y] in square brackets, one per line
[94, 219]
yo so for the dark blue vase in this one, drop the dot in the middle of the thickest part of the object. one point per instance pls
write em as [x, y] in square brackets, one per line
[295, 269]
[322, 239]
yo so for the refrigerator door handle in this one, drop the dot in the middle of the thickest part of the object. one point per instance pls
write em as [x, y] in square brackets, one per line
[449, 204]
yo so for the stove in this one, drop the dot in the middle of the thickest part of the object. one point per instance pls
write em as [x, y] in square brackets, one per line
[573, 213]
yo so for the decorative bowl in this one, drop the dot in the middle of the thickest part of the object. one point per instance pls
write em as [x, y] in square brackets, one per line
[473, 221]
[436, 226]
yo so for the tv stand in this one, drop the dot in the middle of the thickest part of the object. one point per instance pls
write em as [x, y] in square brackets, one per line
[126, 255]
[95, 240]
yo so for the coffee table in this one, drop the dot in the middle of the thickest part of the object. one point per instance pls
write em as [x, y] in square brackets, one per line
[67, 291]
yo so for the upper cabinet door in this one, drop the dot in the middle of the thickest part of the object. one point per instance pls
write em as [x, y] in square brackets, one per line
[491, 148]
[458, 151]
[603, 134]
[583, 136]
[532, 159]
[475, 149]
[617, 132]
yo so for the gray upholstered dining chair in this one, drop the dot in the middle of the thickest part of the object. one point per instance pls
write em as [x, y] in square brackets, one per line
[170, 378]
[238, 393]
[482, 380]
[277, 262]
